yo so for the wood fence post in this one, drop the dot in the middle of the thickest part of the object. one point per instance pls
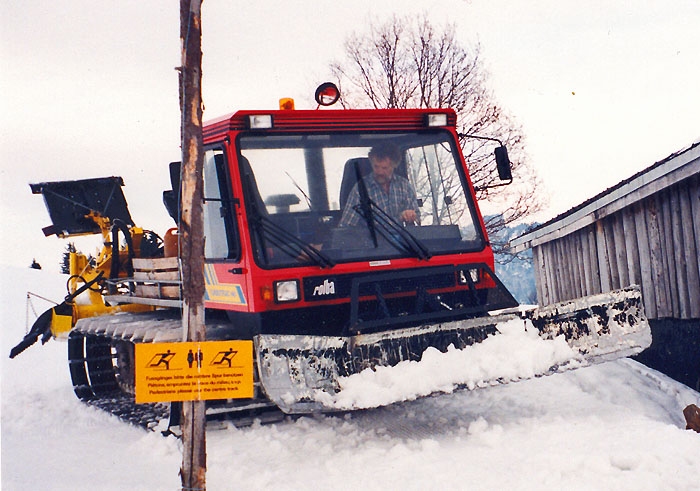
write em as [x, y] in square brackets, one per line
[193, 421]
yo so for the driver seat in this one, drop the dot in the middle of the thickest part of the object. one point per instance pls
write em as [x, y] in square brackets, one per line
[350, 177]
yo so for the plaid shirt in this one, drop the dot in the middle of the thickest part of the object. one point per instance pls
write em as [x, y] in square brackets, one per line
[401, 197]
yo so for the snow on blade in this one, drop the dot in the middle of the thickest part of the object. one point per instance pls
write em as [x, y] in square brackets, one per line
[516, 353]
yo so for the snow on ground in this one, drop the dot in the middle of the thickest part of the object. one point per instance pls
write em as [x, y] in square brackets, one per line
[613, 426]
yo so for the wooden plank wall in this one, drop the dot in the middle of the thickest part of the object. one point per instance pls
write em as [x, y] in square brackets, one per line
[654, 243]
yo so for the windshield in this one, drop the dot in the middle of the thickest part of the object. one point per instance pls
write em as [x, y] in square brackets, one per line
[339, 197]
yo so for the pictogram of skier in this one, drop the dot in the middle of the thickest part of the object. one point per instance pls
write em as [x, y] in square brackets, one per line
[161, 359]
[224, 356]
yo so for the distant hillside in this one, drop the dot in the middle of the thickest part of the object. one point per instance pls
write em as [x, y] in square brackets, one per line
[517, 274]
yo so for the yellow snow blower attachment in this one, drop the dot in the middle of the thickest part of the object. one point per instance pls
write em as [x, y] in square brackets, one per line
[88, 206]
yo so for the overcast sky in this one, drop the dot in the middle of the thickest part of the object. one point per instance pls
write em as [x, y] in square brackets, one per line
[602, 89]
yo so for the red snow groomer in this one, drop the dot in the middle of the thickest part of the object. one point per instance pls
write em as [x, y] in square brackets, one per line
[336, 240]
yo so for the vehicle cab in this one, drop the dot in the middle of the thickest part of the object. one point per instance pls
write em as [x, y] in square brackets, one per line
[280, 252]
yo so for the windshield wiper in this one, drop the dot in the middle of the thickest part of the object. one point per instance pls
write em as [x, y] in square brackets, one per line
[288, 242]
[379, 220]
[364, 208]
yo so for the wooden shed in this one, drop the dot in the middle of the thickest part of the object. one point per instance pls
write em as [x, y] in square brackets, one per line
[645, 230]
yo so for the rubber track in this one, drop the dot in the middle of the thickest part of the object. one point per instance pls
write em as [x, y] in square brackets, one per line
[147, 416]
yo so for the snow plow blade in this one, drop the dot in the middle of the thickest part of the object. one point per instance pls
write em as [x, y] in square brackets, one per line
[306, 374]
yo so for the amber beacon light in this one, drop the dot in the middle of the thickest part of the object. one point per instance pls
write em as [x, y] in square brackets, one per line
[287, 104]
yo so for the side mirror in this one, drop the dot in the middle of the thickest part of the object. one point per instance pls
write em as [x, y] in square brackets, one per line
[327, 94]
[503, 163]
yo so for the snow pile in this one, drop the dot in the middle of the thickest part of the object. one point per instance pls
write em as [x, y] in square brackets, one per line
[516, 353]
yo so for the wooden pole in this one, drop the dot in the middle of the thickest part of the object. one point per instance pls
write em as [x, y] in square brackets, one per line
[193, 470]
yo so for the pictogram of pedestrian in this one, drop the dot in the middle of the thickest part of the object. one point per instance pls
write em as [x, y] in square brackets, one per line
[161, 359]
[192, 357]
[224, 357]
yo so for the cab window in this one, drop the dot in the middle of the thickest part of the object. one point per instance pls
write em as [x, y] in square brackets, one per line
[220, 235]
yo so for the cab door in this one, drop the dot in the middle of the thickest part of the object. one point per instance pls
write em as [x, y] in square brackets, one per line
[223, 274]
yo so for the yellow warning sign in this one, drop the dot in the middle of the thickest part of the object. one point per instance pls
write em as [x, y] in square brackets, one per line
[194, 371]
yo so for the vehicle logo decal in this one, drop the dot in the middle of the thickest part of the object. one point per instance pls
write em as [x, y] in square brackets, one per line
[325, 288]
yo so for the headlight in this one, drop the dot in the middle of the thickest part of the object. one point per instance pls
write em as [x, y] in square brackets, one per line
[286, 291]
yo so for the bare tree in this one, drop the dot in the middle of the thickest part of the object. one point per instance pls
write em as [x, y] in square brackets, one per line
[406, 63]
